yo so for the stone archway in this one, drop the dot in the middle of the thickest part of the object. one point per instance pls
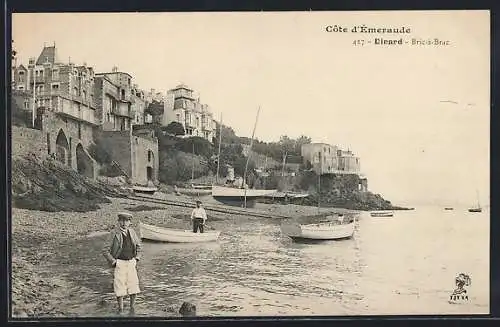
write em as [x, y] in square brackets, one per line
[63, 153]
[84, 163]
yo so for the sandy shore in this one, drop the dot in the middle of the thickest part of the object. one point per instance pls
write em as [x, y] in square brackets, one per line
[38, 236]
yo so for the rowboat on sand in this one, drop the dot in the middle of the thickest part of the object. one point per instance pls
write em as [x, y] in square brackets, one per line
[382, 214]
[320, 232]
[170, 235]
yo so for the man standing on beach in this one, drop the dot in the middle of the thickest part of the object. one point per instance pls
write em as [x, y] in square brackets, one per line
[198, 217]
[123, 252]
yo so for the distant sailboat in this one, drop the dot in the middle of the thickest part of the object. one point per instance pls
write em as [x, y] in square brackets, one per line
[477, 208]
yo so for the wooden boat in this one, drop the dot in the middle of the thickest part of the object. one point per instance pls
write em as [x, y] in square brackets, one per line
[382, 214]
[236, 196]
[169, 235]
[448, 208]
[145, 189]
[320, 232]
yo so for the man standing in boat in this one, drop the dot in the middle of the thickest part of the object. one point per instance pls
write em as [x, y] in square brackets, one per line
[198, 217]
[123, 251]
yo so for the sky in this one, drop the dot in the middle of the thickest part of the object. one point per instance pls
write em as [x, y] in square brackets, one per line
[385, 103]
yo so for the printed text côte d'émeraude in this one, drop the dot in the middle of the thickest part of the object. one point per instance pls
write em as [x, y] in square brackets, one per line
[367, 29]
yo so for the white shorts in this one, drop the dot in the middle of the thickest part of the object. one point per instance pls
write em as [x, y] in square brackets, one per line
[126, 281]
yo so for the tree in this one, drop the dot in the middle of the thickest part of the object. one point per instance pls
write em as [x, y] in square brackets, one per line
[175, 128]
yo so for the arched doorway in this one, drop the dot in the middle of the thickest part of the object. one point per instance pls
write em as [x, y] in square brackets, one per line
[150, 166]
[63, 153]
[84, 164]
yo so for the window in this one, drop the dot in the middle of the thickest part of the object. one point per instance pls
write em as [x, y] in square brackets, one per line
[149, 155]
[26, 104]
[21, 73]
[178, 117]
[79, 130]
[55, 74]
[55, 87]
[75, 91]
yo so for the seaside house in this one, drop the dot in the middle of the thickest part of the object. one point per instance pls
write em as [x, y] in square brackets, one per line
[120, 105]
[182, 106]
[329, 159]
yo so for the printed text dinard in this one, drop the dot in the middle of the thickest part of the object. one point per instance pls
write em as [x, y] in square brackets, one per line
[367, 29]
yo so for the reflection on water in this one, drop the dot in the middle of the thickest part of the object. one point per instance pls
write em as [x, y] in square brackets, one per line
[400, 265]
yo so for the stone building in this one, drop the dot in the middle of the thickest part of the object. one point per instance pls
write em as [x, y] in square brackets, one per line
[181, 105]
[121, 104]
[329, 159]
[74, 106]
[63, 105]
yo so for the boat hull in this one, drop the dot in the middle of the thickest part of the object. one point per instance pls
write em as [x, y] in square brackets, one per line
[475, 210]
[144, 190]
[381, 214]
[236, 196]
[236, 201]
[318, 232]
[194, 191]
[168, 235]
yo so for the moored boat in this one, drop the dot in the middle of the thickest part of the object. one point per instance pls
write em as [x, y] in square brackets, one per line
[448, 208]
[236, 196]
[477, 208]
[169, 235]
[319, 232]
[381, 214]
[145, 189]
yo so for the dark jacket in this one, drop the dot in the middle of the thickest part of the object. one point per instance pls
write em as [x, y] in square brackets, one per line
[114, 245]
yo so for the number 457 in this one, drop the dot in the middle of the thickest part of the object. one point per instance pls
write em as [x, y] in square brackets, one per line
[358, 42]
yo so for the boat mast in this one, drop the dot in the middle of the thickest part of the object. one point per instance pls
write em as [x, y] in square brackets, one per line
[248, 158]
[192, 167]
[319, 182]
[218, 156]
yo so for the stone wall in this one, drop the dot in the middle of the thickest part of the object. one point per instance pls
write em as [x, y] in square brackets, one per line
[118, 144]
[28, 141]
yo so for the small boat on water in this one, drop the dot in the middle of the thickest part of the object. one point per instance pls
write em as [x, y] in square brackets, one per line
[322, 231]
[448, 208]
[169, 235]
[477, 208]
[236, 196]
[381, 214]
[145, 189]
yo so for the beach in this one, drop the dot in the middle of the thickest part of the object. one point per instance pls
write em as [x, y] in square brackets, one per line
[40, 237]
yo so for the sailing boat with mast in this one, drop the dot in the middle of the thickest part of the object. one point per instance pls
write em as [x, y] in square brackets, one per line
[331, 228]
[477, 208]
[240, 196]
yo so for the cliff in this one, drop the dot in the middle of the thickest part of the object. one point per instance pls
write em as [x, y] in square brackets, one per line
[340, 191]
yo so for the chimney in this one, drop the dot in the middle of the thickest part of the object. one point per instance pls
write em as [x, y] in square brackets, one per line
[114, 69]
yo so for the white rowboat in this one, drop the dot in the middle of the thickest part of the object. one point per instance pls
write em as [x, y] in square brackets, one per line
[321, 231]
[161, 234]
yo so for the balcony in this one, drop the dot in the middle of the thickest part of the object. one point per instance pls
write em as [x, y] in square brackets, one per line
[123, 110]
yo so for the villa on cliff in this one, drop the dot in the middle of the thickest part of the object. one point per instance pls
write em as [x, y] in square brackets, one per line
[75, 106]
[324, 158]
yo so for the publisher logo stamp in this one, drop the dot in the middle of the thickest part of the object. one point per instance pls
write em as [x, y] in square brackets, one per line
[462, 282]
